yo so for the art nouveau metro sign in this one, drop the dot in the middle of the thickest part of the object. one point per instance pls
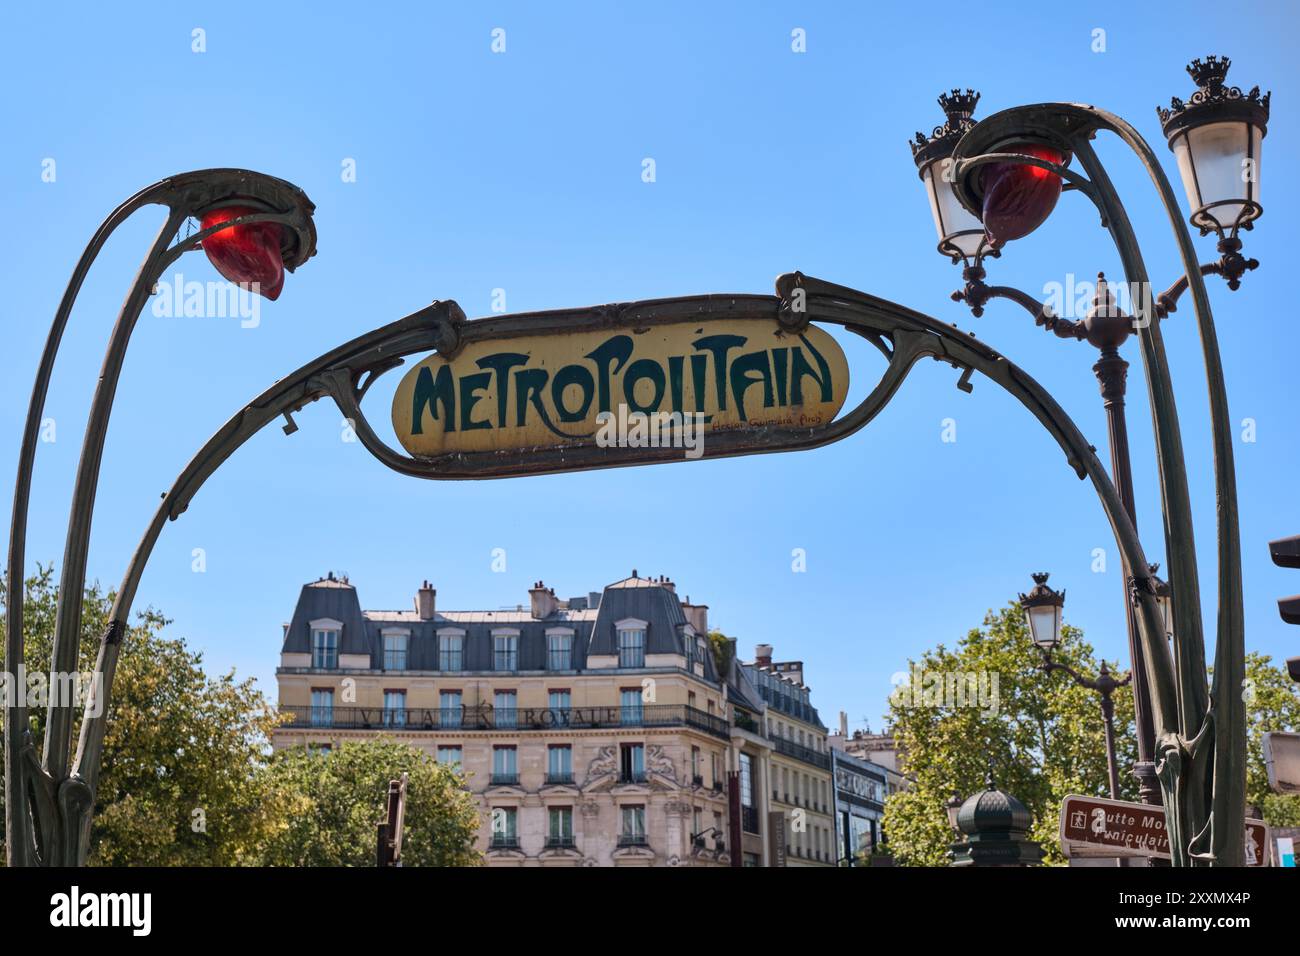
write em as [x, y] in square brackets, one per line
[575, 387]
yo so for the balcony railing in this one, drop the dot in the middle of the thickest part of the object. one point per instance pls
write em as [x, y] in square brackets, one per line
[521, 718]
[501, 841]
[505, 779]
[560, 778]
[633, 839]
[559, 842]
[800, 752]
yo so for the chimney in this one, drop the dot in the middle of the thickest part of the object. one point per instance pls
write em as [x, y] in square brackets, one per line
[669, 585]
[697, 615]
[844, 725]
[425, 602]
[543, 600]
[763, 655]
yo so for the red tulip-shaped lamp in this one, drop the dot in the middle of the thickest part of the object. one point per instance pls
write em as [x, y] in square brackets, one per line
[249, 253]
[1019, 197]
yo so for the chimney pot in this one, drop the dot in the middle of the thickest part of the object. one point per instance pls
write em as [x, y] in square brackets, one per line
[425, 602]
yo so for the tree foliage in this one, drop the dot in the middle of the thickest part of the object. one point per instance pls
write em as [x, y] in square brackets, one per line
[1039, 737]
[1044, 739]
[1272, 704]
[336, 799]
[188, 777]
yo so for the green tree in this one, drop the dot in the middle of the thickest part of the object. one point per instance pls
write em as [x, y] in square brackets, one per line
[1041, 737]
[724, 649]
[1272, 704]
[179, 783]
[336, 798]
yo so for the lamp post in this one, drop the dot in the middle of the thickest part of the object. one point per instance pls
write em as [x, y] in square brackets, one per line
[1007, 171]
[1043, 612]
[252, 228]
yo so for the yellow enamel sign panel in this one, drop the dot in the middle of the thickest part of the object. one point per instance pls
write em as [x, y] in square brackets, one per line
[561, 388]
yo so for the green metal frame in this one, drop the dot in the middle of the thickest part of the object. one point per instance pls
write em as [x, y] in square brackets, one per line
[1200, 727]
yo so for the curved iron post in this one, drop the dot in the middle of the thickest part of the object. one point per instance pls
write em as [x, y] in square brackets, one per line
[1187, 737]
[59, 798]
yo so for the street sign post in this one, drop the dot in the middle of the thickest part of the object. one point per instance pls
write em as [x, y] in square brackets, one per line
[1094, 826]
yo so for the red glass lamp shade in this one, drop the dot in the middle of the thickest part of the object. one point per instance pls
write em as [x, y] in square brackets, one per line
[247, 254]
[1017, 197]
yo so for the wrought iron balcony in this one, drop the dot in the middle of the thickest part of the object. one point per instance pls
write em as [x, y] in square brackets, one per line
[565, 777]
[505, 779]
[559, 842]
[809, 756]
[633, 839]
[502, 841]
[521, 718]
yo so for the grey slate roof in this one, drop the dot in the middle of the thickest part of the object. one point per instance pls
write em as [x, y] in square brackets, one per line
[594, 630]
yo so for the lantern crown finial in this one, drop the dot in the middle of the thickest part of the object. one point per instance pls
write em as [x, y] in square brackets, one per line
[958, 107]
[1213, 99]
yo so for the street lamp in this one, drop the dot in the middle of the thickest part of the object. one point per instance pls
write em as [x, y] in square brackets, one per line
[1043, 609]
[1043, 612]
[1217, 137]
[252, 227]
[961, 235]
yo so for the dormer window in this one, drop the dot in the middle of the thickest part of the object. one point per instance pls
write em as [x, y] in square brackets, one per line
[395, 650]
[631, 643]
[505, 651]
[325, 648]
[559, 650]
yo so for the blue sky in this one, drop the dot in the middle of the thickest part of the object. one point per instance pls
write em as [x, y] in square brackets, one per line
[522, 171]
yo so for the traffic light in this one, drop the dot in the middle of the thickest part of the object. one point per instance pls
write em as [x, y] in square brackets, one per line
[1286, 554]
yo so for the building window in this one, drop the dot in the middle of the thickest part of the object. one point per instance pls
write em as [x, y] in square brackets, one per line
[632, 763]
[559, 827]
[505, 827]
[697, 768]
[504, 709]
[631, 708]
[505, 769]
[449, 709]
[325, 649]
[700, 648]
[505, 652]
[633, 833]
[559, 764]
[748, 806]
[322, 708]
[631, 648]
[560, 701]
[689, 645]
[559, 652]
[451, 652]
[394, 652]
[394, 708]
[449, 755]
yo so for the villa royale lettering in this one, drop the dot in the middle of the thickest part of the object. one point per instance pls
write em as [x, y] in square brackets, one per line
[548, 390]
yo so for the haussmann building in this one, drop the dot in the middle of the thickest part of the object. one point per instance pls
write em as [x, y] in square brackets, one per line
[593, 730]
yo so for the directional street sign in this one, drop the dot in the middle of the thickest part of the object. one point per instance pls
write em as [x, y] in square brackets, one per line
[1093, 826]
